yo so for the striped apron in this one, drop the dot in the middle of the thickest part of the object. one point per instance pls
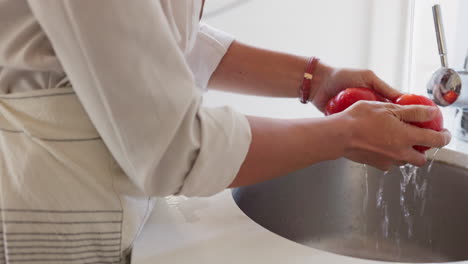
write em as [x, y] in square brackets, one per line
[63, 198]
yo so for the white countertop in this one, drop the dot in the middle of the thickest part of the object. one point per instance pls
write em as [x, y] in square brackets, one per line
[214, 230]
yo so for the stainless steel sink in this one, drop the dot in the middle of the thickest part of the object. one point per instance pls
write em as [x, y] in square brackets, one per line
[331, 206]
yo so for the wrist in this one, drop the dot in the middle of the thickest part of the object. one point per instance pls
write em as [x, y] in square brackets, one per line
[320, 139]
[322, 73]
[339, 131]
[308, 77]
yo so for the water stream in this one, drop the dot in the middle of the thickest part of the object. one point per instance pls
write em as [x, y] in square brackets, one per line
[408, 172]
[414, 181]
[366, 194]
[429, 168]
[382, 205]
[365, 204]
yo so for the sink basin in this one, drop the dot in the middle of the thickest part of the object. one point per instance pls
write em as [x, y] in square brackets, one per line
[353, 210]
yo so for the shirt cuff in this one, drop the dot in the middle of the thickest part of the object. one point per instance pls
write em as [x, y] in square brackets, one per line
[210, 47]
[224, 147]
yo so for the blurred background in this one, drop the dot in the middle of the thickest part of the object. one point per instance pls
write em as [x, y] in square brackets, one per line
[395, 38]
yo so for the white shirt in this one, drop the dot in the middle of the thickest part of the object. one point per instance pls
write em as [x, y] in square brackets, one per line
[136, 67]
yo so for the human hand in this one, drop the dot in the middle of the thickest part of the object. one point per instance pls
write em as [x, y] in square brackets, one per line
[379, 135]
[329, 81]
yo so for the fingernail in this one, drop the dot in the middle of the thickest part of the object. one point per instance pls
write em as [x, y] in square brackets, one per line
[433, 110]
[448, 137]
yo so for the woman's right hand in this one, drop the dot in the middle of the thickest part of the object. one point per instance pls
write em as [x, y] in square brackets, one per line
[379, 135]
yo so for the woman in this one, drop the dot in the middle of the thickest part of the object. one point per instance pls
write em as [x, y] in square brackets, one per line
[100, 112]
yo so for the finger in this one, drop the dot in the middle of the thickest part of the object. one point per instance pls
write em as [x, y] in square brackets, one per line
[400, 163]
[415, 158]
[373, 159]
[380, 162]
[382, 87]
[385, 166]
[415, 113]
[431, 138]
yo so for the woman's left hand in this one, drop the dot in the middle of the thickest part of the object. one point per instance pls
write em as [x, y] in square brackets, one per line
[330, 81]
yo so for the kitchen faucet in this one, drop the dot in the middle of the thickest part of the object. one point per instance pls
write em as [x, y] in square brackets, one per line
[447, 86]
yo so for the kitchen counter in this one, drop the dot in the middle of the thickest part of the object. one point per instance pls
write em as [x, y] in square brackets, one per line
[214, 230]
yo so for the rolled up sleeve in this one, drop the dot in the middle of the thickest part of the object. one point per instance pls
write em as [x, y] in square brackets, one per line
[138, 90]
[210, 47]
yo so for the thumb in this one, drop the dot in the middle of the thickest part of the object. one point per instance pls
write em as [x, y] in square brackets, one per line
[384, 89]
[415, 113]
[380, 86]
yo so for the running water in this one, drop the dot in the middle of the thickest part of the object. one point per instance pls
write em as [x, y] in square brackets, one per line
[429, 168]
[408, 172]
[414, 186]
[385, 222]
[420, 184]
[365, 203]
[398, 241]
[366, 194]
[382, 205]
[380, 194]
[421, 189]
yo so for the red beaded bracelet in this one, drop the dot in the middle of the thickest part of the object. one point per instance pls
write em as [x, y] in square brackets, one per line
[304, 90]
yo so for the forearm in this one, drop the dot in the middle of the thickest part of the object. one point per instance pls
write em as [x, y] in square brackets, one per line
[282, 146]
[250, 70]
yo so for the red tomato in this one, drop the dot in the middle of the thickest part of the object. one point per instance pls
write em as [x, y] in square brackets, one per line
[436, 124]
[349, 96]
[450, 97]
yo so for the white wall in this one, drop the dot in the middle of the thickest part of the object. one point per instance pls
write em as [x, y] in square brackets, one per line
[337, 31]
[460, 49]
[390, 41]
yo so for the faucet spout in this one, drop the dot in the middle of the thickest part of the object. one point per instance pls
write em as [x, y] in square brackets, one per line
[445, 86]
[449, 87]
